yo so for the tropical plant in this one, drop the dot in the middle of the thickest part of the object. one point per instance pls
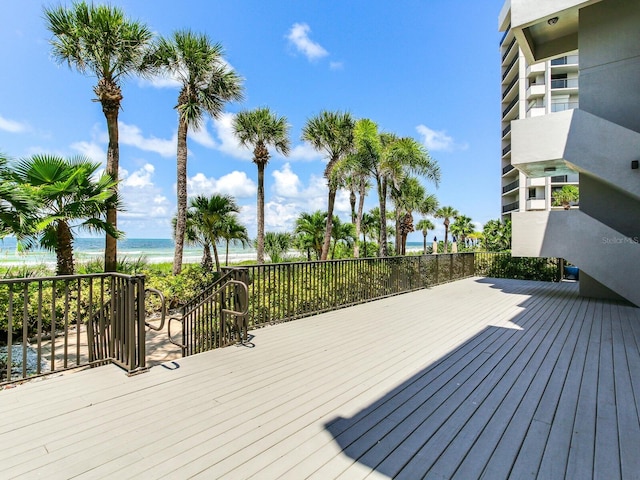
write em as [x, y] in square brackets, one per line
[408, 196]
[446, 213]
[342, 233]
[332, 134]
[424, 226]
[233, 232]
[462, 228]
[68, 198]
[101, 41]
[17, 207]
[369, 226]
[207, 83]
[276, 245]
[206, 219]
[566, 196]
[309, 232]
[388, 159]
[259, 129]
[497, 235]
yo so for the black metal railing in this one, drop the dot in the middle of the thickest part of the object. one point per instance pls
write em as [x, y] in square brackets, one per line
[503, 265]
[506, 130]
[507, 169]
[51, 324]
[286, 291]
[509, 67]
[510, 106]
[506, 52]
[505, 34]
[511, 186]
[509, 207]
[506, 150]
[509, 87]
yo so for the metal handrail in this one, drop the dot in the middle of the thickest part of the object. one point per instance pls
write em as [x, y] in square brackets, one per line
[162, 309]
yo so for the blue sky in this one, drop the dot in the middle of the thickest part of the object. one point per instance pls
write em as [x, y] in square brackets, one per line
[422, 68]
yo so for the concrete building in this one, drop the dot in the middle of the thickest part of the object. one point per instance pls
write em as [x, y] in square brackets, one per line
[600, 140]
[531, 90]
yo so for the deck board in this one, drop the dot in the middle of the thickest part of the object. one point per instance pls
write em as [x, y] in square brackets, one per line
[477, 377]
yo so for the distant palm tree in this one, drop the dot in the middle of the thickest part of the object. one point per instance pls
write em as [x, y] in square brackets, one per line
[310, 232]
[369, 226]
[566, 196]
[233, 232]
[446, 213]
[68, 197]
[101, 40]
[206, 220]
[331, 133]
[207, 83]
[462, 228]
[407, 196]
[425, 225]
[277, 244]
[259, 129]
[341, 232]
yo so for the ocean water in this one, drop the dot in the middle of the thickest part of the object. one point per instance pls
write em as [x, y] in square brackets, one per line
[155, 250]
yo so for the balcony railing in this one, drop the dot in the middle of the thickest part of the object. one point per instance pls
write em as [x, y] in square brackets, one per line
[508, 69]
[506, 150]
[506, 52]
[564, 83]
[559, 179]
[509, 87]
[507, 169]
[511, 186]
[510, 106]
[561, 107]
[506, 130]
[505, 34]
[509, 207]
[566, 60]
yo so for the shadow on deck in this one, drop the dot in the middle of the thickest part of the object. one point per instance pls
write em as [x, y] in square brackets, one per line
[557, 395]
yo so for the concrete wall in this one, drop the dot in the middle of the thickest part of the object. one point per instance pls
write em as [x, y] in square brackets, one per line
[610, 61]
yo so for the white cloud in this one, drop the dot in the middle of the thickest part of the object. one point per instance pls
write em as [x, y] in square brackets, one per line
[92, 150]
[143, 201]
[287, 183]
[436, 140]
[304, 152]
[139, 178]
[279, 216]
[228, 143]
[161, 80]
[132, 135]
[12, 126]
[202, 136]
[298, 36]
[235, 183]
[336, 65]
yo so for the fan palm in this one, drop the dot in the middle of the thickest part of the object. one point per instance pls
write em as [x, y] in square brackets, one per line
[17, 207]
[101, 41]
[233, 232]
[277, 244]
[259, 129]
[446, 213]
[310, 232]
[207, 83]
[425, 225]
[206, 219]
[407, 196]
[342, 232]
[68, 198]
[462, 228]
[332, 134]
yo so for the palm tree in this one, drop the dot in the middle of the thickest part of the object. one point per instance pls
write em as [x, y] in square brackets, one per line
[68, 198]
[462, 228]
[497, 235]
[407, 196]
[207, 83]
[446, 213]
[17, 207]
[206, 219]
[342, 232]
[566, 196]
[277, 244]
[331, 133]
[310, 232]
[233, 232]
[369, 226]
[259, 129]
[425, 225]
[101, 41]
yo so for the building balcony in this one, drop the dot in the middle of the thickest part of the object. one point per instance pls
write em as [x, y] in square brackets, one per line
[509, 112]
[509, 68]
[506, 150]
[536, 91]
[506, 131]
[510, 207]
[565, 60]
[563, 83]
[535, 69]
[511, 186]
[507, 169]
[536, 182]
[536, 204]
[509, 91]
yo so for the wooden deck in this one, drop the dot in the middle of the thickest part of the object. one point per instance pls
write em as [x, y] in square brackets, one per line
[480, 378]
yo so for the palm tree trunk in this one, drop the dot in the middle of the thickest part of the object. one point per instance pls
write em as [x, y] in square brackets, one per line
[382, 197]
[260, 214]
[110, 108]
[424, 245]
[181, 187]
[226, 255]
[64, 249]
[352, 201]
[446, 234]
[215, 255]
[398, 232]
[356, 247]
[207, 263]
[327, 233]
